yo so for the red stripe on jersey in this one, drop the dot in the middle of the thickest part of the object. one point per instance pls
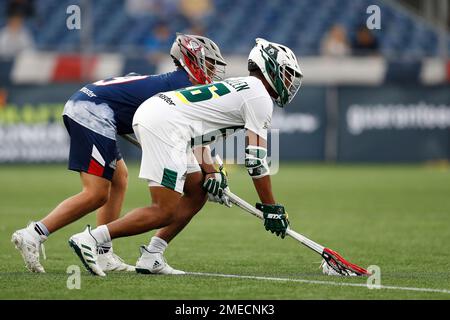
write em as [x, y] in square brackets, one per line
[70, 68]
[95, 168]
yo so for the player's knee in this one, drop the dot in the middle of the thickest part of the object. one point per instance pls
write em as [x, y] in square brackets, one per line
[167, 211]
[193, 188]
[97, 198]
[120, 178]
[103, 198]
[121, 182]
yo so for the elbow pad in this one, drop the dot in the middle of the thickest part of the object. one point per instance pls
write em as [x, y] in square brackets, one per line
[256, 162]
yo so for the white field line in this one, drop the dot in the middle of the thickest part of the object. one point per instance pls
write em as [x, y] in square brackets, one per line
[327, 283]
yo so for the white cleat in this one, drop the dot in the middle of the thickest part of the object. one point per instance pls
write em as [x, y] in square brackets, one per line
[29, 242]
[85, 246]
[110, 261]
[154, 263]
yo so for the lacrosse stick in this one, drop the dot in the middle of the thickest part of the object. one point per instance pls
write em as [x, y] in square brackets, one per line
[131, 139]
[332, 258]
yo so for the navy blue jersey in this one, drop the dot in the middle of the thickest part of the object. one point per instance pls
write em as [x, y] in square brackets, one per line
[125, 94]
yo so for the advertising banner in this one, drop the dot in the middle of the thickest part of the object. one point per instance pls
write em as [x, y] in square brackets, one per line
[302, 125]
[31, 126]
[32, 133]
[394, 123]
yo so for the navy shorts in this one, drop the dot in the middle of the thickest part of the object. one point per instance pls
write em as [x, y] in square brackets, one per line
[91, 152]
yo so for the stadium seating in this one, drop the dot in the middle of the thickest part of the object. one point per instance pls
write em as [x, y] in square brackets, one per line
[300, 24]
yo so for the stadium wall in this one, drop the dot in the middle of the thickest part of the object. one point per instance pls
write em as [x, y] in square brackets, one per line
[47, 67]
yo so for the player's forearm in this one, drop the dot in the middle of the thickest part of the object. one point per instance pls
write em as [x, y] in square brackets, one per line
[264, 189]
[208, 168]
[203, 156]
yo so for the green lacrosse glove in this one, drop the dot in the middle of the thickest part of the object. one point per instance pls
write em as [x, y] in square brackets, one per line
[215, 186]
[275, 218]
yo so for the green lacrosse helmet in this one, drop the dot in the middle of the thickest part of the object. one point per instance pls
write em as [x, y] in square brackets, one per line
[280, 68]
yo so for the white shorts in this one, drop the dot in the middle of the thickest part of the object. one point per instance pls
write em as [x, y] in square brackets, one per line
[162, 164]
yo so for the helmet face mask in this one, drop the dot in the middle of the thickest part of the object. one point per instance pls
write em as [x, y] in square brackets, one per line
[292, 81]
[279, 66]
[214, 70]
[193, 59]
[200, 57]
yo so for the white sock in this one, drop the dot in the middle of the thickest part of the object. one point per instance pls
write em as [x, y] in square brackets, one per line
[37, 233]
[41, 229]
[157, 245]
[101, 234]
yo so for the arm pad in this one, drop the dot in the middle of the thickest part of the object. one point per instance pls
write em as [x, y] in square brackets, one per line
[256, 162]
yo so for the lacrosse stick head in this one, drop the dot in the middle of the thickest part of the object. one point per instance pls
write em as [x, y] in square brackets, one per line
[335, 264]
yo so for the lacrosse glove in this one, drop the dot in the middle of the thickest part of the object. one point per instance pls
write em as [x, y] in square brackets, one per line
[216, 186]
[275, 218]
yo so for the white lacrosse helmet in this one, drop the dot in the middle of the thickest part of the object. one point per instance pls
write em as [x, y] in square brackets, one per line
[279, 66]
[200, 57]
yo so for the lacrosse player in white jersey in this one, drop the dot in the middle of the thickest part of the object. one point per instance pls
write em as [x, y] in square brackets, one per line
[169, 124]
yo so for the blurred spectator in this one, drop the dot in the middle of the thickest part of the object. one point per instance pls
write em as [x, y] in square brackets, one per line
[196, 11]
[3, 97]
[25, 8]
[197, 29]
[365, 43]
[14, 37]
[335, 42]
[161, 8]
[138, 7]
[159, 42]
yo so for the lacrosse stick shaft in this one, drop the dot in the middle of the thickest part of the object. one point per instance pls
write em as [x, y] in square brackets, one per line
[131, 139]
[257, 213]
[332, 259]
[241, 203]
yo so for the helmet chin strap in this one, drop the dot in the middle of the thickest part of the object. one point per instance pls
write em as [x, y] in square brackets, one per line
[195, 82]
[258, 74]
[270, 90]
[192, 78]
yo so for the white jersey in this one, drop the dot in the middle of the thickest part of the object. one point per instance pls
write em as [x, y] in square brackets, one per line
[197, 114]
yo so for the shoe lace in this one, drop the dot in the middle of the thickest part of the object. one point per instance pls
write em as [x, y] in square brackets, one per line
[43, 251]
[101, 250]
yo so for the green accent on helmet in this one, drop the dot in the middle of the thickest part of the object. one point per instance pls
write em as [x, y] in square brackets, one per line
[273, 71]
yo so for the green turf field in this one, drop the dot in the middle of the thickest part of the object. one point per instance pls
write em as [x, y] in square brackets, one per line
[396, 217]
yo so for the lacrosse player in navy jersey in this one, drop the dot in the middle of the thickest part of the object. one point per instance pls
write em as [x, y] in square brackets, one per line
[94, 116]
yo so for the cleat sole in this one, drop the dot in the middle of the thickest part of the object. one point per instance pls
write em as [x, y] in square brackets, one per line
[143, 271]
